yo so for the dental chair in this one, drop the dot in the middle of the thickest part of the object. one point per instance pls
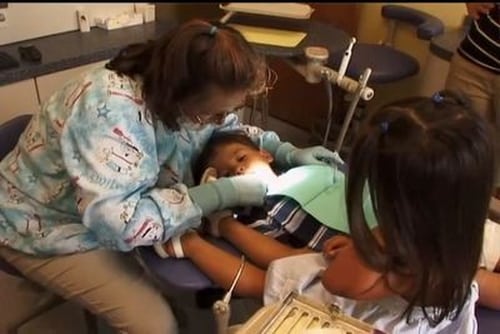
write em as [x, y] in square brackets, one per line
[9, 135]
[387, 63]
[182, 274]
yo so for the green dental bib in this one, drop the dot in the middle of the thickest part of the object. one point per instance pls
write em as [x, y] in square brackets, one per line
[320, 190]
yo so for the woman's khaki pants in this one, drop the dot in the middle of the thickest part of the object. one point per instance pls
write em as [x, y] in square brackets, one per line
[483, 88]
[110, 284]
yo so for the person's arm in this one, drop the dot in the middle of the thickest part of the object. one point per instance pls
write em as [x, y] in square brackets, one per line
[489, 288]
[260, 248]
[111, 155]
[476, 9]
[221, 266]
[347, 275]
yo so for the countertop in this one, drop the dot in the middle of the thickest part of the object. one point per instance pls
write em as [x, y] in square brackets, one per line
[75, 48]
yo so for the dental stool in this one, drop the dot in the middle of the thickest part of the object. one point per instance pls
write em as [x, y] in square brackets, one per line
[9, 135]
[387, 63]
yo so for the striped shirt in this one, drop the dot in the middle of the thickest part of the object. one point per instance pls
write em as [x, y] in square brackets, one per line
[283, 219]
[481, 45]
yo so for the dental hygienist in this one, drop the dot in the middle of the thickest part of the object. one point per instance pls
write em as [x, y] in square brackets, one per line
[105, 166]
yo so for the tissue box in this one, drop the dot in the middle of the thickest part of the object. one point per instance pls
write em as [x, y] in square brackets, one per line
[120, 21]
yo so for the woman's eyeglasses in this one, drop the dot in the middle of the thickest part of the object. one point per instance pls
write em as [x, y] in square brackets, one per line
[212, 118]
[208, 117]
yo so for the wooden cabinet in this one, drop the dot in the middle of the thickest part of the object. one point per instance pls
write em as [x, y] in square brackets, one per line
[295, 101]
[48, 84]
[18, 98]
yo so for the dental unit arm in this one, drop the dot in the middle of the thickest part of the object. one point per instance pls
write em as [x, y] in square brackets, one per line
[316, 71]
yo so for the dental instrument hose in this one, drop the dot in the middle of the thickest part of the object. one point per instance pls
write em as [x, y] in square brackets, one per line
[329, 93]
[221, 308]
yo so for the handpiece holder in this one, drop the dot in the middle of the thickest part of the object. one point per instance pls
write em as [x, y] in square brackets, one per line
[348, 84]
[317, 71]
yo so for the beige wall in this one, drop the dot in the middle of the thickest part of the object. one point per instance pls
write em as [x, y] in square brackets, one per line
[373, 27]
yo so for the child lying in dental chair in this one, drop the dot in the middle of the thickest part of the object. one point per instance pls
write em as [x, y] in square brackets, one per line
[282, 218]
[415, 270]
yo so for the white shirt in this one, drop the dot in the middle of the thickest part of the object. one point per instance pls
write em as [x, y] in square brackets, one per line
[302, 272]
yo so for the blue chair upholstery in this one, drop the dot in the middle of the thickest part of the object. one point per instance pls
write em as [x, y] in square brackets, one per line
[10, 132]
[181, 273]
[488, 320]
[387, 63]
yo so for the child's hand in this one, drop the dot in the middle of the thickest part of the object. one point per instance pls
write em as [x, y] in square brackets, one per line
[332, 246]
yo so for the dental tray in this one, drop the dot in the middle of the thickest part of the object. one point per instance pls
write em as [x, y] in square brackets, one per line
[298, 314]
[291, 10]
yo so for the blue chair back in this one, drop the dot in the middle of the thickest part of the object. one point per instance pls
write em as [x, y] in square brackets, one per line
[10, 132]
[9, 135]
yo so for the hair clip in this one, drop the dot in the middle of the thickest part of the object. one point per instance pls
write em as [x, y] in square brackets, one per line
[213, 30]
[384, 126]
[437, 97]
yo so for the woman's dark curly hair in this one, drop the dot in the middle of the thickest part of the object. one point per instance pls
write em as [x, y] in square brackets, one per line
[186, 61]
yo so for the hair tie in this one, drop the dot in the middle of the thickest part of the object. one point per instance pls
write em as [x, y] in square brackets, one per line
[213, 30]
[384, 127]
[437, 97]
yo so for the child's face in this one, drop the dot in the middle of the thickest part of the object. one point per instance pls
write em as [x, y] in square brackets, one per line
[237, 159]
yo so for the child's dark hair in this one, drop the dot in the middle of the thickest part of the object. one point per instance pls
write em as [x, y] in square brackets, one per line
[429, 165]
[186, 61]
[217, 141]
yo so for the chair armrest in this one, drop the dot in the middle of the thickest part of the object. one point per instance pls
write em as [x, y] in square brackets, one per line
[428, 26]
[494, 211]
[181, 273]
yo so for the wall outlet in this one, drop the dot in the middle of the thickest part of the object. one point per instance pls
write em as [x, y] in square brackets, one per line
[3, 17]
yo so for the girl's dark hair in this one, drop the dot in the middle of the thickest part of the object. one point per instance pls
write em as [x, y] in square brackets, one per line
[216, 141]
[186, 61]
[429, 166]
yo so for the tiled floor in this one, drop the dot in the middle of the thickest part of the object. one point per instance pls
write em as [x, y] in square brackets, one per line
[16, 295]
